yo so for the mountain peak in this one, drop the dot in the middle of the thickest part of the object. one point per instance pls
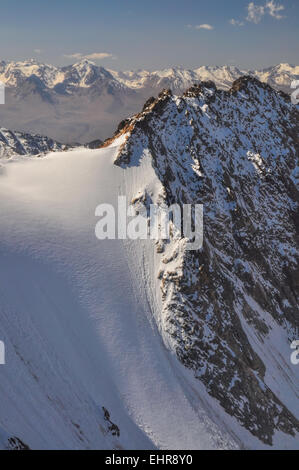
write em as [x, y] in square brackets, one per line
[228, 152]
[245, 82]
[84, 63]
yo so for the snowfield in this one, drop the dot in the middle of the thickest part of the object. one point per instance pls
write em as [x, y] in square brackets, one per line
[81, 319]
[79, 330]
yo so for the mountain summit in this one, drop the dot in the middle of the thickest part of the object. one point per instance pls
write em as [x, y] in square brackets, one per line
[230, 309]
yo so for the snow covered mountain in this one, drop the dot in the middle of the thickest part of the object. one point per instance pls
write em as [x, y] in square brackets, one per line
[279, 77]
[77, 103]
[86, 73]
[20, 143]
[83, 102]
[86, 366]
[179, 79]
[65, 79]
[144, 344]
[231, 310]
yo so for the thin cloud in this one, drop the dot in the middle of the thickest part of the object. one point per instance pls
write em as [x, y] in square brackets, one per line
[274, 10]
[76, 55]
[236, 22]
[257, 12]
[37, 51]
[98, 56]
[92, 56]
[207, 27]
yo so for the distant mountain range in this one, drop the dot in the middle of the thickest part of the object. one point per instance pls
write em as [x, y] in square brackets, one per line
[83, 102]
[21, 143]
[178, 79]
[14, 143]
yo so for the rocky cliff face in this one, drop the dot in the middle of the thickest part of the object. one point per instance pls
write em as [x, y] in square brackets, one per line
[230, 309]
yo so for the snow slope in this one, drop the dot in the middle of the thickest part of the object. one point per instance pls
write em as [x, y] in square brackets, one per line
[90, 324]
[79, 332]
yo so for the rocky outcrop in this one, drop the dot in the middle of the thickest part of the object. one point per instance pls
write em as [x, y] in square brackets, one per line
[95, 144]
[111, 428]
[21, 143]
[14, 443]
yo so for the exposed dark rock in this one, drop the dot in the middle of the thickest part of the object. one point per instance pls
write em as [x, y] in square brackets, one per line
[22, 143]
[14, 443]
[111, 427]
[237, 154]
[95, 144]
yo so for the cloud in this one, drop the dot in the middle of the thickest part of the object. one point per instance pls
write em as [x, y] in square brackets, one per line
[76, 55]
[205, 26]
[92, 56]
[257, 12]
[98, 56]
[274, 10]
[236, 22]
[37, 51]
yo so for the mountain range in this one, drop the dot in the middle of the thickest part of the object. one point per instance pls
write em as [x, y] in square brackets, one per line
[20, 143]
[144, 344]
[83, 102]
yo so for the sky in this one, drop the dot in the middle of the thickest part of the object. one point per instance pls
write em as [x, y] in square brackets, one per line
[151, 34]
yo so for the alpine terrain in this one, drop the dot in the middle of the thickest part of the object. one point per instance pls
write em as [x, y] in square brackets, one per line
[20, 143]
[144, 344]
[82, 102]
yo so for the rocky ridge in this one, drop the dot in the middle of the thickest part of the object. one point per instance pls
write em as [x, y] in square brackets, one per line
[229, 309]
